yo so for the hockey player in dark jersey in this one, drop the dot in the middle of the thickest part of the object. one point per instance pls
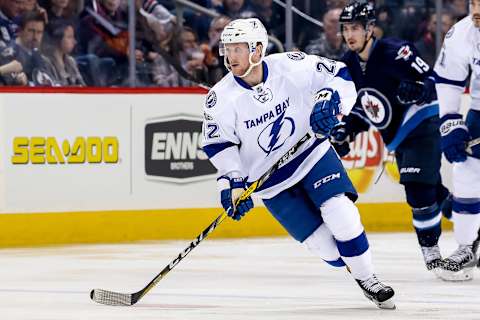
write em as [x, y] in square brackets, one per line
[396, 95]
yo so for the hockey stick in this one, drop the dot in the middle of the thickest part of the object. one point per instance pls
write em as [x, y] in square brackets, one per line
[471, 144]
[128, 299]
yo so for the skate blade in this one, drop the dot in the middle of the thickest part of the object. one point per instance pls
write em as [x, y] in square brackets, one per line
[437, 272]
[465, 274]
[387, 304]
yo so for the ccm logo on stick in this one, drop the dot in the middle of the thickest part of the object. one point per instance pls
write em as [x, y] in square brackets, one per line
[326, 179]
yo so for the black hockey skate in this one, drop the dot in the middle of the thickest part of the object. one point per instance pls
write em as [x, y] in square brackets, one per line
[475, 246]
[459, 266]
[433, 258]
[377, 292]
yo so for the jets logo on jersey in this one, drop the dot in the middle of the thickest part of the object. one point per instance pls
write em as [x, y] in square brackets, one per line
[276, 134]
[211, 100]
[376, 107]
[296, 55]
[404, 53]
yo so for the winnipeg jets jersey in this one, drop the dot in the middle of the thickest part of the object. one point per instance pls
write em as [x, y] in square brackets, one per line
[390, 62]
[247, 129]
[8, 30]
[460, 53]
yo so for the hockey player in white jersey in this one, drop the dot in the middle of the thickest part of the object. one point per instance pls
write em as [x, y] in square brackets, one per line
[459, 54]
[255, 114]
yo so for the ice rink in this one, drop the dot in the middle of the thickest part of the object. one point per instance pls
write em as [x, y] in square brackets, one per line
[226, 279]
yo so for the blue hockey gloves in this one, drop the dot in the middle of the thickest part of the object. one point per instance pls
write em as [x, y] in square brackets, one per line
[324, 114]
[231, 190]
[417, 92]
[454, 137]
[340, 139]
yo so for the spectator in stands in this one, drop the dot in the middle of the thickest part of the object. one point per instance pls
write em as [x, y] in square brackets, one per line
[103, 43]
[59, 44]
[10, 11]
[11, 74]
[233, 8]
[330, 43]
[273, 18]
[59, 9]
[27, 49]
[162, 71]
[458, 8]
[213, 61]
[384, 23]
[153, 25]
[409, 18]
[426, 44]
[191, 57]
[184, 56]
[32, 5]
[332, 4]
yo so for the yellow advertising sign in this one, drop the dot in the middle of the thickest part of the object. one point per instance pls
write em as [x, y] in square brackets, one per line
[367, 156]
[48, 150]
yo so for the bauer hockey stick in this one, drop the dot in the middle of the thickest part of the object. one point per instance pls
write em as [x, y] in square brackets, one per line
[128, 299]
[471, 144]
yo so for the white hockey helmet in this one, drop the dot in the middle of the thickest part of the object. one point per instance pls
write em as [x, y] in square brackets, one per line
[251, 31]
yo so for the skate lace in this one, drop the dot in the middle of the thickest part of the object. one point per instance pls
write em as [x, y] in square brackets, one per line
[431, 253]
[462, 254]
[372, 284]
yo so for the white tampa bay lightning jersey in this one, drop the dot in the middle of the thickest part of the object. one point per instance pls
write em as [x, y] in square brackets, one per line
[247, 129]
[460, 53]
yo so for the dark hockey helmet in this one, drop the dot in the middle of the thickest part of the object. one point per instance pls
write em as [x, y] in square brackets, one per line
[357, 11]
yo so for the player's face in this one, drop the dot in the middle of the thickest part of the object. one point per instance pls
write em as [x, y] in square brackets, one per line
[475, 12]
[237, 55]
[354, 35]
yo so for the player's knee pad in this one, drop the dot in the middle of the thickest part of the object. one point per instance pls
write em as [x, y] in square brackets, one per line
[426, 209]
[465, 178]
[342, 218]
[322, 243]
[420, 195]
[426, 217]
[422, 198]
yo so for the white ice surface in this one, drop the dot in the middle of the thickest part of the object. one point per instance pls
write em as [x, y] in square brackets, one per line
[226, 279]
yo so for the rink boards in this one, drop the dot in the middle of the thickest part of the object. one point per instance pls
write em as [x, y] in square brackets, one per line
[86, 166]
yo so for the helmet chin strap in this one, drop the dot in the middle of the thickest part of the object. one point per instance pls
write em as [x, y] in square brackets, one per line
[250, 68]
[252, 65]
[366, 42]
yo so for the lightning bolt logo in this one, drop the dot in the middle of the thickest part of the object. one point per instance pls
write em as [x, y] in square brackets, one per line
[274, 133]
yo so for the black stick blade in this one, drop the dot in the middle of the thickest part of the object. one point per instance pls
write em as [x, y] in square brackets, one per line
[111, 298]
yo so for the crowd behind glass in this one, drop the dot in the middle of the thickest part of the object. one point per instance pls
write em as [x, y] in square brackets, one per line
[86, 42]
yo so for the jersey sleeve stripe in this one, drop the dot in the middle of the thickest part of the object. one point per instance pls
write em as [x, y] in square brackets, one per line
[212, 149]
[344, 74]
[458, 83]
